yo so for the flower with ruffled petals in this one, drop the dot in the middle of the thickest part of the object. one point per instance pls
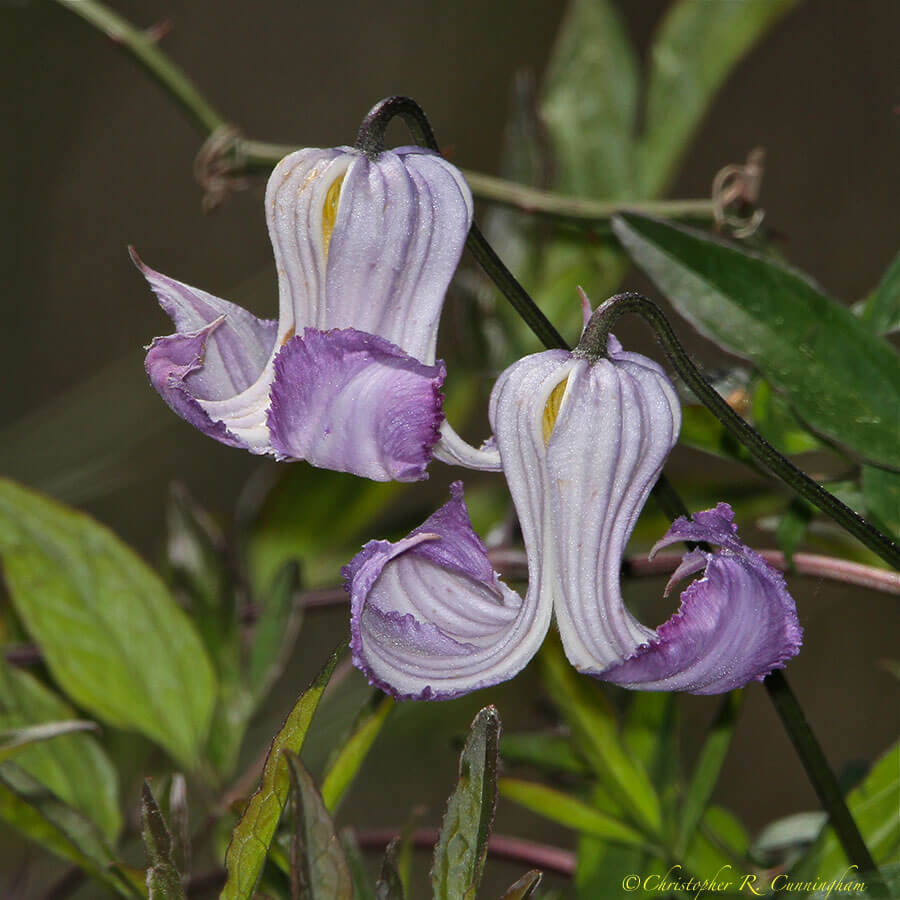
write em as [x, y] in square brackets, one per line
[346, 378]
[582, 442]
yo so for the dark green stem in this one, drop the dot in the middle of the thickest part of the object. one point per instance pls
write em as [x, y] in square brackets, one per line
[823, 781]
[593, 345]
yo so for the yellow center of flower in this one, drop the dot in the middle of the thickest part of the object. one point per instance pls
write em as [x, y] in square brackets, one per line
[329, 211]
[551, 410]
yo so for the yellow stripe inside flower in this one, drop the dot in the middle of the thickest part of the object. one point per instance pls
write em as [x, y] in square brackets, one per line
[329, 211]
[551, 410]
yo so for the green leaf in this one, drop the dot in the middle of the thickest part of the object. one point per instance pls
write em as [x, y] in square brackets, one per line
[390, 884]
[719, 841]
[696, 46]
[524, 887]
[250, 840]
[362, 885]
[874, 807]
[595, 732]
[163, 880]
[569, 811]
[346, 764]
[75, 768]
[462, 844]
[590, 102]
[774, 420]
[783, 841]
[111, 635]
[839, 378]
[551, 752]
[276, 631]
[38, 814]
[708, 766]
[882, 310]
[881, 495]
[319, 869]
[15, 740]
[793, 527]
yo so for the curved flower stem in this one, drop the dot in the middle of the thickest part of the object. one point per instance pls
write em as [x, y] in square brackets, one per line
[593, 344]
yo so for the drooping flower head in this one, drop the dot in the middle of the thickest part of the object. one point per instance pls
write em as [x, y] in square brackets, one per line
[582, 441]
[346, 378]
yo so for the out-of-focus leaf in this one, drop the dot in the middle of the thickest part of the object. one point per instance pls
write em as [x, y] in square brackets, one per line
[882, 310]
[774, 420]
[839, 377]
[793, 526]
[783, 841]
[163, 879]
[363, 888]
[874, 807]
[708, 766]
[14, 740]
[881, 495]
[696, 46]
[569, 811]
[720, 840]
[595, 732]
[75, 768]
[110, 633]
[462, 844]
[390, 884]
[38, 814]
[253, 834]
[701, 430]
[550, 752]
[590, 101]
[524, 887]
[276, 630]
[319, 869]
[346, 764]
[179, 818]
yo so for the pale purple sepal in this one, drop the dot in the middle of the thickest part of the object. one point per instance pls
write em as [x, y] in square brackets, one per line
[430, 620]
[353, 402]
[735, 624]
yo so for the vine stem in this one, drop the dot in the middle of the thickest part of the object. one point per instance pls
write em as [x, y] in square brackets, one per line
[593, 345]
[248, 156]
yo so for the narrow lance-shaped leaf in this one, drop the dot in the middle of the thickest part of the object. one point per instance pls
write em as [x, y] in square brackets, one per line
[163, 879]
[319, 868]
[74, 767]
[35, 812]
[595, 732]
[346, 764]
[882, 310]
[462, 845]
[14, 740]
[550, 752]
[363, 889]
[569, 811]
[695, 48]
[524, 887]
[250, 840]
[708, 767]
[112, 636]
[842, 380]
[390, 884]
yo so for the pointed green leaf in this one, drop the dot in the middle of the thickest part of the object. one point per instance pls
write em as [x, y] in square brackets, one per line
[112, 636]
[524, 887]
[462, 845]
[275, 631]
[595, 732]
[551, 752]
[250, 840]
[881, 495]
[874, 807]
[38, 814]
[708, 767]
[75, 768]
[346, 764]
[882, 310]
[318, 865]
[14, 740]
[390, 884]
[163, 880]
[697, 45]
[841, 379]
[590, 102]
[569, 811]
